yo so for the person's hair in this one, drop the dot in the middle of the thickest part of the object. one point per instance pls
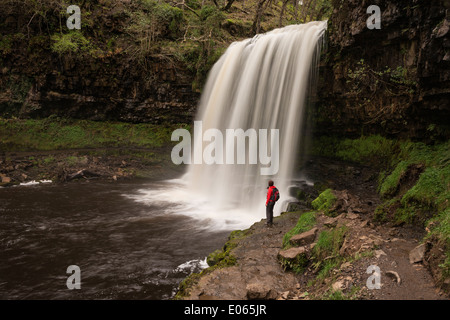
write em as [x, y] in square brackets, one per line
[270, 183]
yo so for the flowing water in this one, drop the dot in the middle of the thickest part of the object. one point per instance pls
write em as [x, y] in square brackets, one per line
[259, 83]
[126, 249]
[138, 240]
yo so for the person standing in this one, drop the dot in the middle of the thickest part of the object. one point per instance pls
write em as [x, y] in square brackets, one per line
[272, 197]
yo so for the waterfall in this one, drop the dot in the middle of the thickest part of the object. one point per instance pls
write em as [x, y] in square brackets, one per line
[258, 83]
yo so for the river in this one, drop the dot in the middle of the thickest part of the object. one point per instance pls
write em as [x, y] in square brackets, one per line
[127, 244]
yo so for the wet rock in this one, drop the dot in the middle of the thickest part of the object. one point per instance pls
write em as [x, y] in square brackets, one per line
[416, 254]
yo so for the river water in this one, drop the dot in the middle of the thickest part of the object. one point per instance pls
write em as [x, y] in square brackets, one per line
[127, 244]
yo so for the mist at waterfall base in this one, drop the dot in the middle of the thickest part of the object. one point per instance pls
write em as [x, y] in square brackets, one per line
[258, 83]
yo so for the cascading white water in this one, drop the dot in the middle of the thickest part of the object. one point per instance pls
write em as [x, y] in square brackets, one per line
[259, 83]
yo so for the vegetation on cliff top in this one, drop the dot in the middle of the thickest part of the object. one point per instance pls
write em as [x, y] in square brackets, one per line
[191, 33]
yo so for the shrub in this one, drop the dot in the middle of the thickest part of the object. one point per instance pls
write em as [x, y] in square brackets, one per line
[72, 42]
[324, 202]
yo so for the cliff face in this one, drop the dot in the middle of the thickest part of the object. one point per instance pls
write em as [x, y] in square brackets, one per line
[106, 80]
[111, 90]
[393, 81]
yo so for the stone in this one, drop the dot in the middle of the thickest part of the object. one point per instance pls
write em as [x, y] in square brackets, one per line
[6, 179]
[260, 291]
[416, 254]
[304, 238]
[292, 253]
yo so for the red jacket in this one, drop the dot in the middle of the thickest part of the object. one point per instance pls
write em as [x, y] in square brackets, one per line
[269, 194]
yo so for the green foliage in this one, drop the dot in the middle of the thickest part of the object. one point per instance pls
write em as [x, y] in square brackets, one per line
[72, 42]
[324, 202]
[365, 148]
[432, 188]
[329, 243]
[224, 258]
[440, 229]
[374, 149]
[217, 259]
[54, 133]
[297, 265]
[306, 221]
[325, 253]
[339, 295]
[382, 211]
[394, 81]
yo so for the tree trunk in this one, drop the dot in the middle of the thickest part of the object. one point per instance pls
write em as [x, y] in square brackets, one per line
[256, 27]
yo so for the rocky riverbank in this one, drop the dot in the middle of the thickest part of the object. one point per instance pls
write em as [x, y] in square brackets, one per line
[329, 256]
[63, 150]
[85, 164]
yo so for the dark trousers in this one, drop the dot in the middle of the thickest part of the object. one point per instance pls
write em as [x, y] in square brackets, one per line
[269, 212]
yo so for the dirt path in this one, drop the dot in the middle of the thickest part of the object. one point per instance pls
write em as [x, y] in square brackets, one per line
[416, 282]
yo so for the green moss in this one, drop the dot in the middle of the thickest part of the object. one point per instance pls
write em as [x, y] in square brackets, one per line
[306, 221]
[297, 265]
[54, 133]
[432, 188]
[329, 243]
[366, 149]
[325, 254]
[440, 232]
[324, 202]
[217, 259]
[382, 212]
[224, 258]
